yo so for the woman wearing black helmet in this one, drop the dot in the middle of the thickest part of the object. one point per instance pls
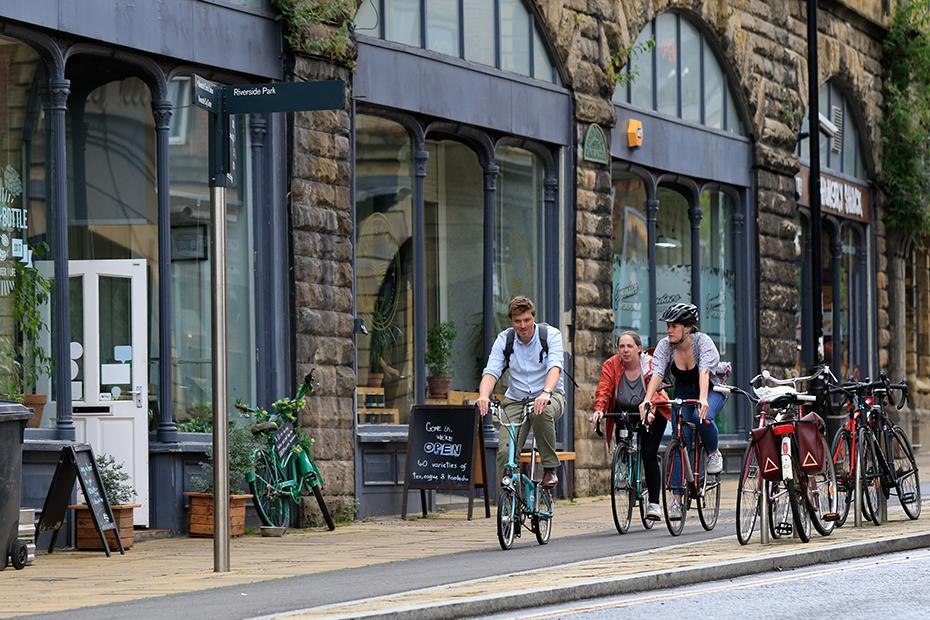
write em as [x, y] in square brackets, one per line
[694, 362]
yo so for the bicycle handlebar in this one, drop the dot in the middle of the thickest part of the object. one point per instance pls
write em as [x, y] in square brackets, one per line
[626, 415]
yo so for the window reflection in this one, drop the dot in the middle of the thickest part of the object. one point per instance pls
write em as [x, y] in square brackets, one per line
[630, 257]
[673, 250]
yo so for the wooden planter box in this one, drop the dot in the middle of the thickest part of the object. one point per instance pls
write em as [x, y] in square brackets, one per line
[200, 521]
[87, 536]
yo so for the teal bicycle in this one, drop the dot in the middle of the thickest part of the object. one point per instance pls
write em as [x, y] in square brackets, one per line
[283, 465]
[521, 497]
[627, 480]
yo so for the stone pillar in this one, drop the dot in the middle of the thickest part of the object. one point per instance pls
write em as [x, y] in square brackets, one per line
[167, 429]
[59, 89]
[322, 229]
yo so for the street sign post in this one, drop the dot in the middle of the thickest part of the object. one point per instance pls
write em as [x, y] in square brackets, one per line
[221, 101]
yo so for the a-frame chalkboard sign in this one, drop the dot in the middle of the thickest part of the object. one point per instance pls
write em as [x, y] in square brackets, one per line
[77, 461]
[445, 450]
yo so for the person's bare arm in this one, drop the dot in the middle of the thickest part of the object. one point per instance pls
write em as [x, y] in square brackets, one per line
[484, 393]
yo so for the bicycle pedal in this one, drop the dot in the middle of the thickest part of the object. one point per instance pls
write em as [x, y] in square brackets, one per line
[783, 529]
[830, 516]
[908, 498]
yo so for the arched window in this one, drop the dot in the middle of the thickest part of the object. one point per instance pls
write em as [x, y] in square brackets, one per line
[842, 153]
[497, 33]
[679, 76]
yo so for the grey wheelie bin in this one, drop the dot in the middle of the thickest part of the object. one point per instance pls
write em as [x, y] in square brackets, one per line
[13, 418]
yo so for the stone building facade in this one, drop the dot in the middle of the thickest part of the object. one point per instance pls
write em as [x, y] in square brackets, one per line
[763, 50]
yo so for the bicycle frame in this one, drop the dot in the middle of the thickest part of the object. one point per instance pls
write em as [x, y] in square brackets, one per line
[527, 490]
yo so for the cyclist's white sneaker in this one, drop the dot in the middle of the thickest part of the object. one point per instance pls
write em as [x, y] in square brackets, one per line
[714, 463]
[653, 512]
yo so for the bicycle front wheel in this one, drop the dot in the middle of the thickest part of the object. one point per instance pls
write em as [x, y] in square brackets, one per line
[271, 503]
[870, 478]
[506, 518]
[905, 472]
[620, 488]
[799, 510]
[708, 500]
[675, 489]
[542, 519]
[748, 494]
[821, 492]
[844, 469]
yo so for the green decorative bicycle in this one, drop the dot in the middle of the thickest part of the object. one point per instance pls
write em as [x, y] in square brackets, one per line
[283, 467]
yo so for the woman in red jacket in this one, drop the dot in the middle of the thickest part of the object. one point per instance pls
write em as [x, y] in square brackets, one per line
[621, 388]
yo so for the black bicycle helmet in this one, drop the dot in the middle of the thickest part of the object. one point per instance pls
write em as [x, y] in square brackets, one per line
[685, 314]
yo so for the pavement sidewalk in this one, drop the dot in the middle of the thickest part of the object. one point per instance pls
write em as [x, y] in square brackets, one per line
[70, 580]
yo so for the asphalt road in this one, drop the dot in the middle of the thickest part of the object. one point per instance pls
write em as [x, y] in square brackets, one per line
[339, 586]
[889, 586]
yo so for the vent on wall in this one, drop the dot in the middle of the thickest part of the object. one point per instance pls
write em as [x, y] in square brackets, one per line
[836, 115]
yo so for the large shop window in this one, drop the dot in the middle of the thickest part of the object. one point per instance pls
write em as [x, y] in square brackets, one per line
[674, 271]
[679, 76]
[501, 34]
[455, 276]
[190, 263]
[24, 192]
[384, 268]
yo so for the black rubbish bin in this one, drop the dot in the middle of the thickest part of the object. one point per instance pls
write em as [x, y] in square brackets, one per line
[13, 418]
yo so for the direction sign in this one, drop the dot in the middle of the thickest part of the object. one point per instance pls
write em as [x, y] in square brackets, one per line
[207, 94]
[281, 97]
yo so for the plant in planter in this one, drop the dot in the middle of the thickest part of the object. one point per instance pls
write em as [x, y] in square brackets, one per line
[27, 360]
[439, 350]
[120, 493]
[240, 444]
[384, 334]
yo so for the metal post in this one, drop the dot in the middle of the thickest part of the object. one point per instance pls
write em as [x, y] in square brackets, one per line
[814, 184]
[764, 526]
[857, 505]
[218, 314]
[652, 211]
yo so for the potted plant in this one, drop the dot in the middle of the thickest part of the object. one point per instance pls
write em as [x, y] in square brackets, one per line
[384, 333]
[439, 349]
[26, 359]
[200, 517]
[120, 494]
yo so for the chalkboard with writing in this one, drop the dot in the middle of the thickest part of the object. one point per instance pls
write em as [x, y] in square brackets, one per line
[77, 463]
[445, 450]
[285, 438]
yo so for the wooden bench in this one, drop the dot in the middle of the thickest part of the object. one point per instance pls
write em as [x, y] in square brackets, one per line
[568, 470]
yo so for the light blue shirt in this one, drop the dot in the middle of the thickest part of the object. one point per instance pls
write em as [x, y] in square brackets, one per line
[527, 375]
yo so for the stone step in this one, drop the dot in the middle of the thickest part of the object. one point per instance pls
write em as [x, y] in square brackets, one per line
[143, 535]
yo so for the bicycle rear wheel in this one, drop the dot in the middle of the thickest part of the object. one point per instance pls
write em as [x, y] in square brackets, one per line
[844, 471]
[620, 500]
[542, 518]
[870, 478]
[318, 493]
[799, 510]
[674, 494]
[748, 493]
[905, 472]
[506, 518]
[821, 493]
[708, 500]
[272, 505]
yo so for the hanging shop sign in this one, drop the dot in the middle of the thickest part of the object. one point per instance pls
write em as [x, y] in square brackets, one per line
[837, 196]
[595, 145]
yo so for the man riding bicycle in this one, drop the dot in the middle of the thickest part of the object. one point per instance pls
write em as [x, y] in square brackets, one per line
[533, 353]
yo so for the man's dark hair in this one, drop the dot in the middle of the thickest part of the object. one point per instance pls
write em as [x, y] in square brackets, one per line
[519, 305]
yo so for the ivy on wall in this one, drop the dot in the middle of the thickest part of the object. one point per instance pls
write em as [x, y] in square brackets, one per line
[905, 124]
[321, 28]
